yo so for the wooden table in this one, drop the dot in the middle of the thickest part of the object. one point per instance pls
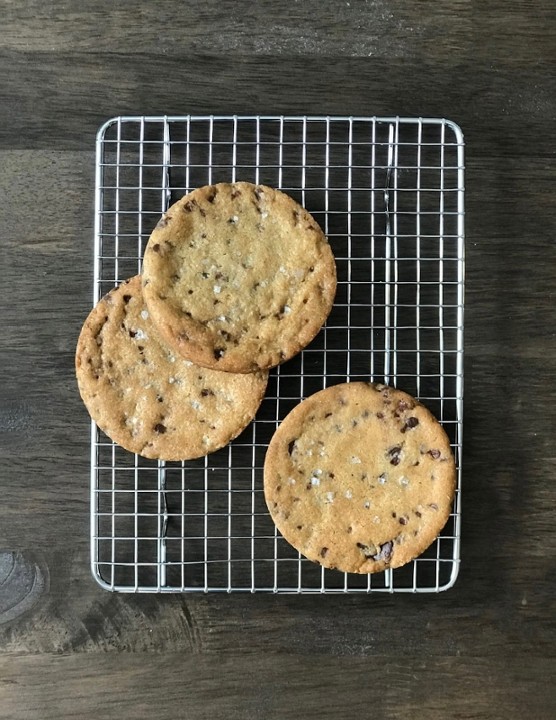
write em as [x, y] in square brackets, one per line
[484, 649]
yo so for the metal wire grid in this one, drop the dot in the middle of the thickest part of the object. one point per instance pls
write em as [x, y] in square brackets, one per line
[389, 193]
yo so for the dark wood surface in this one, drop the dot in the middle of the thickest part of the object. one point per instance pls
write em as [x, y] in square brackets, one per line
[486, 648]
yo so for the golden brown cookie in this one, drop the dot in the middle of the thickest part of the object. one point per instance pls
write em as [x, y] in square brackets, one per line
[360, 477]
[238, 277]
[144, 397]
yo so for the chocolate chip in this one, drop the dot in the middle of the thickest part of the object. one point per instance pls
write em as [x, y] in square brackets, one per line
[410, 423]
[299, 527]
[212, 196]
[203, 212]
[189, 206]
[394, 515]
[331, 475]
[190, 292]
[434, 454]
[403, 520]
[394, 454]
[156, 247]
[218, 353]
[126, 298]
[205, 392]
[159, 398]
[278, 488]
[323, 551]
[235, 193]
[132, 333]
[204, 275]
[160, 428]
[296, 217]
[419, 514]
[327, 415]
[291, 446]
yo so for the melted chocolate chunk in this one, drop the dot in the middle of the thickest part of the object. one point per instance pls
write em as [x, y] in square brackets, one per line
[410, 423]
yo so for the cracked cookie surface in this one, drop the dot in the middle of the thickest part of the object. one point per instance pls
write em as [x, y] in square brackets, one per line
[238, 277]
[360, 477]
[146, 398]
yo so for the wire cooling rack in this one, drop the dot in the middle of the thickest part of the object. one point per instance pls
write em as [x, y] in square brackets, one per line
[389, 194]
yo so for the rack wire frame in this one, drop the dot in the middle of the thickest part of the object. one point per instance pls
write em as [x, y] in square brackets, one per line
[389, 194]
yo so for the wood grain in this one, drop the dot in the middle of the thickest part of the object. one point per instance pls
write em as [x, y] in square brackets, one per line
[484, 649]
[278, 688]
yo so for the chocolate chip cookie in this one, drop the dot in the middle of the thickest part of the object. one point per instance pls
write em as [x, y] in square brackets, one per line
[238, 277]
[360, 477]
[147, 399]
